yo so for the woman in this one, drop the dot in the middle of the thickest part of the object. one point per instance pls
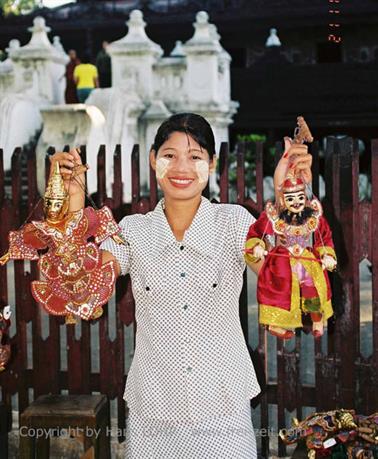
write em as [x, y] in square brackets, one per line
[191, 379]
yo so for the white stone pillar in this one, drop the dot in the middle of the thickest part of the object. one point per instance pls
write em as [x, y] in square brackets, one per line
[202, 52]
[133, 57]
[39, 66]
[156, 113]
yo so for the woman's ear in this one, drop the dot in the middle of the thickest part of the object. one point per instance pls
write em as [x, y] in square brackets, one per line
[213, 164]
[153, 159]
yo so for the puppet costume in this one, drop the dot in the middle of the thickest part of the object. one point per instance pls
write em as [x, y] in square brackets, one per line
[76, 280]
[335, 434]
[291, 280]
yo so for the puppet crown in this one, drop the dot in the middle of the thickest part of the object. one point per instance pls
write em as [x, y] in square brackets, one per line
[293, 184]
[55, 187]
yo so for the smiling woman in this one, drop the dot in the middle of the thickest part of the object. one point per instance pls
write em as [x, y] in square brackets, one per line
[191, 379]
[191, 372]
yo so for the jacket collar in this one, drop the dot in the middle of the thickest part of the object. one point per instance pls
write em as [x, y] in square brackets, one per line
[199, 236]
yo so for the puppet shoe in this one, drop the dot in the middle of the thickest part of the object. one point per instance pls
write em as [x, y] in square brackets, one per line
[281, 332]
[317, 329]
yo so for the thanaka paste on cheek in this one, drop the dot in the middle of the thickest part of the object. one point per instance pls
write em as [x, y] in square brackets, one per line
[202, 169]
[162, 165]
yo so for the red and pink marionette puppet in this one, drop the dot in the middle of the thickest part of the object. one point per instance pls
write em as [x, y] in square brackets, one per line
[77, 283]
[294, 241]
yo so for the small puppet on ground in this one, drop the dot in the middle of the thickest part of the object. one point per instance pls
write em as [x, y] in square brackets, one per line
[77, 283]
[293, 240]
[335, 434]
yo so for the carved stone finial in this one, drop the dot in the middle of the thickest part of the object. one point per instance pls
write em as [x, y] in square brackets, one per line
[273, 39]
[39, 33]
[136, 39]
[13, 46]
[58, 45]
[205, 34]
[178, 50]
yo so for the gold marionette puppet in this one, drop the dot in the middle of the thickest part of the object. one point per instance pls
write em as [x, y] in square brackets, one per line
[77, 283]
[294, 240]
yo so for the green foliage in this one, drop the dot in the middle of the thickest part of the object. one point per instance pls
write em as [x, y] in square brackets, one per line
[249, 141]
[251, 138]
[18, 7]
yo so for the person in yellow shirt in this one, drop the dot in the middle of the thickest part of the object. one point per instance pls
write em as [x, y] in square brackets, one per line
[86, 78]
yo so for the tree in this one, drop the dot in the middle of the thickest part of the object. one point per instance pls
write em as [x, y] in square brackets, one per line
[18, 6]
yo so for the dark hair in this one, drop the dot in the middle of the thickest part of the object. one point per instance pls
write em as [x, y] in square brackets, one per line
[193, 125]
[86, 58]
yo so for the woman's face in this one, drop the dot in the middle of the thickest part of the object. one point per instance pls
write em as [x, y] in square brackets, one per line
[182, 166]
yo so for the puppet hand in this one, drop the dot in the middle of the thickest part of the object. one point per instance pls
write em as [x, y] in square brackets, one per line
[4, 259]
[328, 263]
[259, 252]
[118, 239]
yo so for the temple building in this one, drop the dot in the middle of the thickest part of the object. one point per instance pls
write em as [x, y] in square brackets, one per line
[297, 70]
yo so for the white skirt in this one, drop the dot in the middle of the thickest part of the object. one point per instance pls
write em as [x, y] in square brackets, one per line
[228, 437]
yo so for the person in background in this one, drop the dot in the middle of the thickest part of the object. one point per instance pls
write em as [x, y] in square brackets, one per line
[70, 92]
[86, 78]
[103, 64]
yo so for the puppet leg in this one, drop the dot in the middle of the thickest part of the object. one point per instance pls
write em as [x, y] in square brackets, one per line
[311, 302]
[317, 324]
[280, 332]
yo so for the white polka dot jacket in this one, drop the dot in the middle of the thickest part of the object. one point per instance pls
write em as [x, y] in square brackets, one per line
[191, 360]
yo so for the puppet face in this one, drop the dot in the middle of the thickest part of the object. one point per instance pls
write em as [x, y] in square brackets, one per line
[5, 313]
[295, 202]
[55, 209]
[182, 166]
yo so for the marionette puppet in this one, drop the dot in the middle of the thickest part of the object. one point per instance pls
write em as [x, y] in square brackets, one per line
[335, 434]
[294, 240]
[5, 348]
[77, 284]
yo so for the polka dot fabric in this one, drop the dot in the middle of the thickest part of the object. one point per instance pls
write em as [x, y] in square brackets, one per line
[228, 437]
[191, 362]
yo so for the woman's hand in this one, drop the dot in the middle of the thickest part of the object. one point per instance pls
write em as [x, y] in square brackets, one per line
[296, 158]
[72, 170]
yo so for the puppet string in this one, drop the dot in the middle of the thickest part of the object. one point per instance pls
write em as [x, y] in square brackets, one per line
[287, 256]
[85, 189]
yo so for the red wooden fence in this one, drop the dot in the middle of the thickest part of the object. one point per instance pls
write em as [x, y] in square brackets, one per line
[343, 376]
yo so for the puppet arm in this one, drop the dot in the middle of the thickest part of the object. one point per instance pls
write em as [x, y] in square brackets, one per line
[255, 247]
[23, 244]
[323, 245]
[102, 225]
